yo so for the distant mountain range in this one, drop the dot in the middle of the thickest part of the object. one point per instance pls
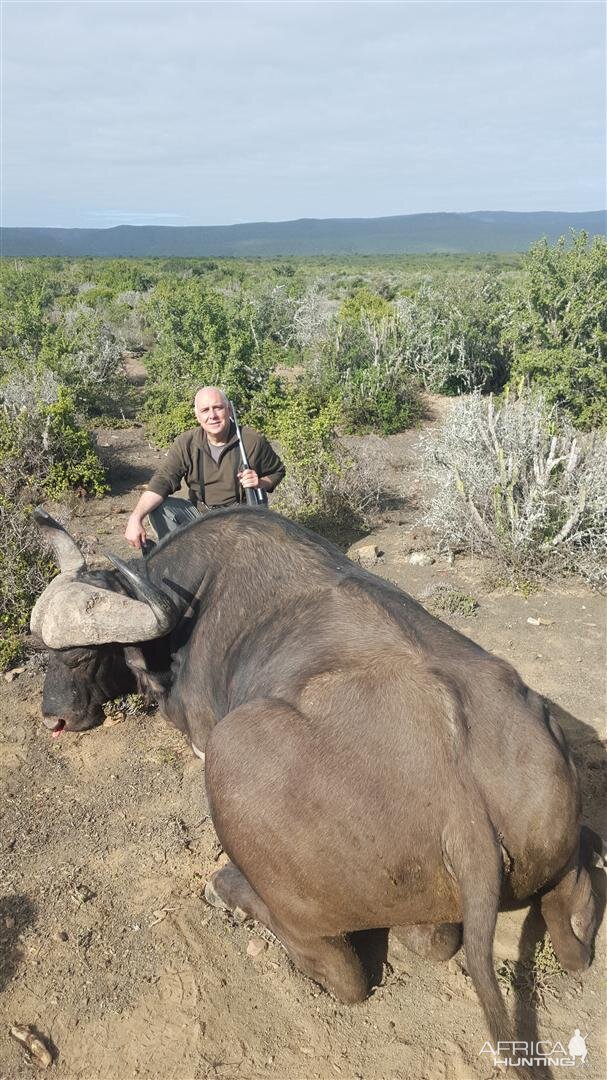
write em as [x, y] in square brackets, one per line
[481, 231]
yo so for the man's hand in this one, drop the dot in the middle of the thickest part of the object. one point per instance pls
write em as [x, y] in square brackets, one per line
[135, 533]
[248, 478]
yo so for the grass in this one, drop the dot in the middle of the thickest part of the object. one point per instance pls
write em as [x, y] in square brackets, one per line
[536, 977]
[449, 601]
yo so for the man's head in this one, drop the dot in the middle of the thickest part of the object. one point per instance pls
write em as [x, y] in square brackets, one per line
[213, 413]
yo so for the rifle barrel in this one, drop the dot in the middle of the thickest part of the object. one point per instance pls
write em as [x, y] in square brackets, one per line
[254, 496]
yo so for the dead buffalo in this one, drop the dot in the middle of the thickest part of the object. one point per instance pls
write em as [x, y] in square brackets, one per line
[366, 765]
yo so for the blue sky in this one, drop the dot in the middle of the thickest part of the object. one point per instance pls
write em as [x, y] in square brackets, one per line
[203, 113]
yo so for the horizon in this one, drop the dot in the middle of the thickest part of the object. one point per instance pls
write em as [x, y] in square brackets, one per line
[175, 114]
[291, 221]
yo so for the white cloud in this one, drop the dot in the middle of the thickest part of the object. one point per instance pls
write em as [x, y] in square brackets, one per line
[254, 111]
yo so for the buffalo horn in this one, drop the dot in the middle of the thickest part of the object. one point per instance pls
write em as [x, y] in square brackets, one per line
[67, 553]
[160, 604]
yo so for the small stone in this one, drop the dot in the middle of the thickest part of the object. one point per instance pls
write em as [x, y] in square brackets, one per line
[256, 947]
[34, 1045]
[113, 718]
[9, 922]
[420, 558]
[61, 935]
[81, 894]
[367, 555]
[12, 674]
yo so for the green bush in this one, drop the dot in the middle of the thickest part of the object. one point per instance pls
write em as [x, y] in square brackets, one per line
[201, 339]
[72, 459]
[573, 380]
[327, 487]
[86, 355]
[43, 454]
[380, 399]
[25, 570]
[451, 333]
[126, 275]
[362, 365]
[306, 432]
[559, 327]
[27, 293]
[312, 491]
[364, 302]
[266, 404]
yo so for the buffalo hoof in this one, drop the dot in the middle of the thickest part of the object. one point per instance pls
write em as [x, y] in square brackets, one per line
[214, 900]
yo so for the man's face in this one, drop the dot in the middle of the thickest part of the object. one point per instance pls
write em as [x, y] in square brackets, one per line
[212, 414]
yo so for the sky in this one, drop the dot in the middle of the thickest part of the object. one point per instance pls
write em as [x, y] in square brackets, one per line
[214, 113]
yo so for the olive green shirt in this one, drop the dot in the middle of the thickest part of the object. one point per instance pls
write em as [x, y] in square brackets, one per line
[213, 483]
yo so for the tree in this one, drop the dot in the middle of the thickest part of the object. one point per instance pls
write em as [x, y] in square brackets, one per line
[559, 330]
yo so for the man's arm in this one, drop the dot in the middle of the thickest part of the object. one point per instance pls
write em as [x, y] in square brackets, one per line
[268, 466]
[135, 532]
[164, 482]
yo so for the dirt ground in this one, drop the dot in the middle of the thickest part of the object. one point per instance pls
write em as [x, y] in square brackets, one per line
[108, 948]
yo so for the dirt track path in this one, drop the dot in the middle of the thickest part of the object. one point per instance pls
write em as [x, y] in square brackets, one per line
[108, 947]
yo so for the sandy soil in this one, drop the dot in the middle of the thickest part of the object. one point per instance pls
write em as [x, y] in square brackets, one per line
[108, 948]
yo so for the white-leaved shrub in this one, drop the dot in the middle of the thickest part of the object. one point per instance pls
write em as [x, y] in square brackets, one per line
[516, 480]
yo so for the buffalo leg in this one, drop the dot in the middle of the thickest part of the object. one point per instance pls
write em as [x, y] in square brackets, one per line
[235, 893]
[570, 915]
[331, 962]
[439, 942]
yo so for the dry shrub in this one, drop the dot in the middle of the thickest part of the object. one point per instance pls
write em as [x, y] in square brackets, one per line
[517, 481]
[346, 500]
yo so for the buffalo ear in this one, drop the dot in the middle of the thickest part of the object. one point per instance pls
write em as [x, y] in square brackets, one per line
[147, 680]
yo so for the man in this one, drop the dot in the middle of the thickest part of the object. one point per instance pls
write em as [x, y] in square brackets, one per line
[208, 458]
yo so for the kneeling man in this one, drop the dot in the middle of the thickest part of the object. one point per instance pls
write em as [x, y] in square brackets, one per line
[208, 458]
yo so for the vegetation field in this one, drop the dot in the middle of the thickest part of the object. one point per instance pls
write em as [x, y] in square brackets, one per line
[446, 412]
[312, 350]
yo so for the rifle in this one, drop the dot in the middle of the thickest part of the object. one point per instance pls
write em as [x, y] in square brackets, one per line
[254, 496]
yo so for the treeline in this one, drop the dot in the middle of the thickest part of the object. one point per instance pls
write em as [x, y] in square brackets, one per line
[307, 348]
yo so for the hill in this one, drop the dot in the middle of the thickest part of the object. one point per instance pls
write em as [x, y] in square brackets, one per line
[481, 231]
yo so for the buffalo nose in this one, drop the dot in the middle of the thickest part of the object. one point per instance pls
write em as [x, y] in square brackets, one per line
[53, 723]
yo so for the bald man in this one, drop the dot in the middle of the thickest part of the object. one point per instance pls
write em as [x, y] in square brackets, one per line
[208, 458]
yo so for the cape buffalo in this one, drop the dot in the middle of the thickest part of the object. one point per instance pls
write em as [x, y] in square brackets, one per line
[366, 765]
